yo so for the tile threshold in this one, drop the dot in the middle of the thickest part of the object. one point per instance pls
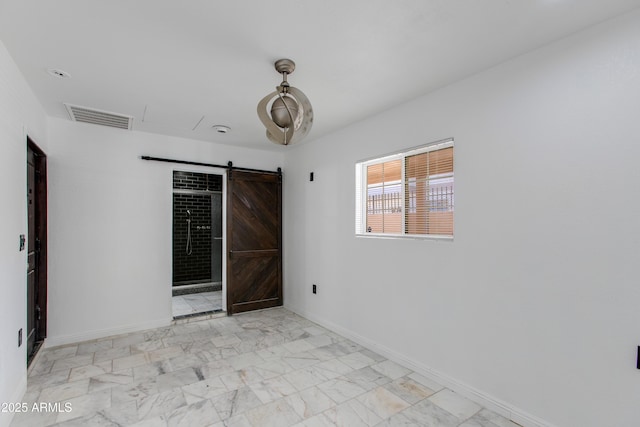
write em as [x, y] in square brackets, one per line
[196, 317]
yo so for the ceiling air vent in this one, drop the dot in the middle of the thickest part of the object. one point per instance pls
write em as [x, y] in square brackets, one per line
[98, 117]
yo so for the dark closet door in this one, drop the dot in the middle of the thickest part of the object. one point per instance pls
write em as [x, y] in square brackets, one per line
[37, 248]
[32, 265]
[254, 241]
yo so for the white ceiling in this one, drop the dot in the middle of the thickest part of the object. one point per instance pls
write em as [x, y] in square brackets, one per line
[182, 60]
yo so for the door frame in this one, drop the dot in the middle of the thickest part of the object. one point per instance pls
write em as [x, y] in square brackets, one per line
[41, 213]
[214, 171]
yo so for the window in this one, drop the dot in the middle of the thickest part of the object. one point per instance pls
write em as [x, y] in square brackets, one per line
[407, 194]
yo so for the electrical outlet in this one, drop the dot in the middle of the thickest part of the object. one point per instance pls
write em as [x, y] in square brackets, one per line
[20, 337]
[314, 290]
[22, 242]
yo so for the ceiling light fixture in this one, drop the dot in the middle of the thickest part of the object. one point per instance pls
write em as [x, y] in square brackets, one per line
[286, 113]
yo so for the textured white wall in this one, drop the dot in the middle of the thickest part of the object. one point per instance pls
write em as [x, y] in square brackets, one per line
[20, 115]
[110, 225]
[534, 306]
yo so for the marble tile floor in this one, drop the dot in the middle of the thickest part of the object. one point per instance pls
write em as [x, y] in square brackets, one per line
[185, 305]
[260, 369]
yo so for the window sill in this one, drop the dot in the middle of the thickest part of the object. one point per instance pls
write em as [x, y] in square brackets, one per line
[405, 236]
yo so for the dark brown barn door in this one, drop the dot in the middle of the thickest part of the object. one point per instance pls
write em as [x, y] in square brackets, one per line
[254, 241]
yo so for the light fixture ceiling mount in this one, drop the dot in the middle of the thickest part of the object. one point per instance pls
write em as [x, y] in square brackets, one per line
[285, 66]
[287, 112]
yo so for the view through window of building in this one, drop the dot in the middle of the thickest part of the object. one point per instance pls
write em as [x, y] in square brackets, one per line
[407, 194]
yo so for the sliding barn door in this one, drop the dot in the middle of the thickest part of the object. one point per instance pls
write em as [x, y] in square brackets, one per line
[254, 241]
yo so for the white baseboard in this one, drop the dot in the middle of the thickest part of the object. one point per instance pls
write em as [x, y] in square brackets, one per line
[56, 341]
[490, 402]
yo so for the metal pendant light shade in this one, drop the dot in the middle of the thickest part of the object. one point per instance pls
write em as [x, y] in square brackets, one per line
[287, 112]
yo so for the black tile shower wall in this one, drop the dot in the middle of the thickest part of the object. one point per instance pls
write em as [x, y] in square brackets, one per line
[204, 263]
[194, 267]
[196, 181]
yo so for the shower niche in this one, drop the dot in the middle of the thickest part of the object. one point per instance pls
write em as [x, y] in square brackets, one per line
[197, 232]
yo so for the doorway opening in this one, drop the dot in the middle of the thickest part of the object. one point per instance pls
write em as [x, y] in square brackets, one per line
[198, 244]
[37, 249]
